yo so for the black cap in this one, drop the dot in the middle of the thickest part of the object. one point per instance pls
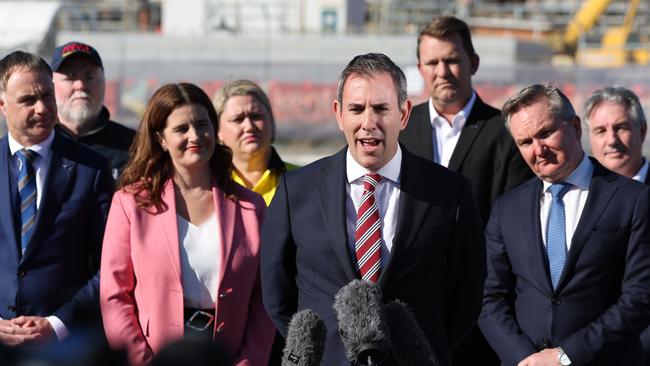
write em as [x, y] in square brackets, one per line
[70, 49]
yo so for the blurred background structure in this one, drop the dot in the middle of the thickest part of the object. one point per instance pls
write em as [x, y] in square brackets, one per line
[296, 48]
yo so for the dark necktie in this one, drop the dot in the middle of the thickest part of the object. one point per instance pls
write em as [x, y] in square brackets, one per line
[368, 231]
[27, 194]
[556, 232]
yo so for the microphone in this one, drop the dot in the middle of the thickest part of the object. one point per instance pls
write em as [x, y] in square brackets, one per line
[362, 323]
[305, 340]
[410, 345]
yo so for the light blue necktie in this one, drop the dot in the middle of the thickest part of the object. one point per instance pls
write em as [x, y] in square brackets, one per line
[556, 232]
[27, 194]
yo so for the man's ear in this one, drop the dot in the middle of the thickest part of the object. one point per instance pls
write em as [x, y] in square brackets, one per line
[642, 130]
[474, 62]
[336, 107]
[405, 112]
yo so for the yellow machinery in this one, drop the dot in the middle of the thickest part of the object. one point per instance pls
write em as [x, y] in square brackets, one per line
[612, 51]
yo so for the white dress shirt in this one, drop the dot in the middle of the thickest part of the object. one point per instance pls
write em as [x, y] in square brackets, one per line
[200, 251]
[386, 195]
[41, 165]
[642, 173]
[574, 200]
[445, 134]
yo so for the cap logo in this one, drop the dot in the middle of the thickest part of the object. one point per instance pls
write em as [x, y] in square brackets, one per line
[73, 48]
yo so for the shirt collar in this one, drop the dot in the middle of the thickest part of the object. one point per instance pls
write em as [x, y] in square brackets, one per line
[464, 113]
[580, 177]
[43, 148]
[390, 171]
[642, 173]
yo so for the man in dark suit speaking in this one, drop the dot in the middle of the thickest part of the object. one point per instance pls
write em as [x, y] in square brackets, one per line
[370, 212]
[55, 195]
[568, 252]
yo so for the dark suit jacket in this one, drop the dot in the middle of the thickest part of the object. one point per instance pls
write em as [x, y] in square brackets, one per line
[437, 262]
[58, 274]
[603, 297]
[485, 152]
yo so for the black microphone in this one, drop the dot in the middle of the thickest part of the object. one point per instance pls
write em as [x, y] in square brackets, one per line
[362, 323]
[410, 345]
[305, 340]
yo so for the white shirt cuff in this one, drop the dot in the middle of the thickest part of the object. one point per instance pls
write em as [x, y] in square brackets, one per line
[59, 328]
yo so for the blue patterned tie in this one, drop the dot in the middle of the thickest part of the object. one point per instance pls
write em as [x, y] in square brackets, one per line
[556, 232]
[27, 194]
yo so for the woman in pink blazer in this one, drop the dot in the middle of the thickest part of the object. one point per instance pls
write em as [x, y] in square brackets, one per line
[181, 248]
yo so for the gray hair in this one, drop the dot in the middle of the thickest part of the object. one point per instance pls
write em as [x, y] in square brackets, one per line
[369, 65]
[617, 95]
[559, 104]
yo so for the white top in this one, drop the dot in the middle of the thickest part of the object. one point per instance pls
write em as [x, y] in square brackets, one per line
[642, 173]
[200, 251]
[445, 135]
[41, 164]
[386, 195]
[574, 200]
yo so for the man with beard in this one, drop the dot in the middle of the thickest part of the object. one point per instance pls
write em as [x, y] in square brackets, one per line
[79, 87]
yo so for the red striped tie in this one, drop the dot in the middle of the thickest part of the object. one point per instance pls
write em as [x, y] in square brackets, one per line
[368, 232]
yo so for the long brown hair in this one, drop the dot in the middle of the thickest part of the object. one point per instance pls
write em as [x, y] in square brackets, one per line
[149, 167]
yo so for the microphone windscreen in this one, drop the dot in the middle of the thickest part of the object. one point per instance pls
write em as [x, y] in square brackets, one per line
[410, 345]
[305, 340]
[362, 322]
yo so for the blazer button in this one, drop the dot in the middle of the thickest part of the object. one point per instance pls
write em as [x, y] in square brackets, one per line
[21, 274]
[556, 301]
[11, 308]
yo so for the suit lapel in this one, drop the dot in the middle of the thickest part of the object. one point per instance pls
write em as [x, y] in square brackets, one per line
[226, 211]
[532, 229]
[168, 225]
[467, 136]
[332, 200]
[60, 173]
[411, 213]
[7, 216]
[601, 192]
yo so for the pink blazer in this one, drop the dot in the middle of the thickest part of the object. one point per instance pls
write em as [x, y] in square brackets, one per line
[141, 293]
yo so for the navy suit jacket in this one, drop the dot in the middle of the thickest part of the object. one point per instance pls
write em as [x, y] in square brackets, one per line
[58, 274]
[437, 262]
[485, 152]
[603, 297]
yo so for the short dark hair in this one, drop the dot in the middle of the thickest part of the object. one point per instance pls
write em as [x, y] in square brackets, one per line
[20, 60]
[445, 26]
[369, 65]
[559, 104]
[620, 96]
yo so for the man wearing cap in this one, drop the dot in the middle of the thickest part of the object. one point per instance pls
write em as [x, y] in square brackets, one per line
[55, 195]
[79, 88]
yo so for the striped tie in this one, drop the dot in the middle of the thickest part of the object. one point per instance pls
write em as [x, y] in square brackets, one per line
[27, 194]
[556, 232]
[368, 232]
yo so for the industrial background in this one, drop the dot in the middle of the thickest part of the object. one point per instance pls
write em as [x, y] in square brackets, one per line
[296, 48]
